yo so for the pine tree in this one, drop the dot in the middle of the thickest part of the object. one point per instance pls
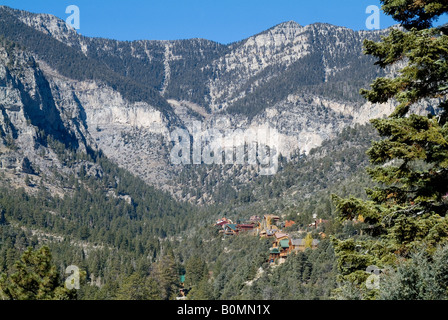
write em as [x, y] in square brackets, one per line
[422, 278]
[166, 274]
[2, 216]
[196, 268]
[138, 287]
[406, 212]
[36, 278]
[418, 14]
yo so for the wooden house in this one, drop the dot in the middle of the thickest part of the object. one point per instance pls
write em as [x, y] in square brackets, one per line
[280, 248]
[285, 247]
[274, 254]
[222, 222]
[280, 236]
[299, 245]
[289, 223]
[230, 229]
[246, 227]
[268, 233]
[317, 222]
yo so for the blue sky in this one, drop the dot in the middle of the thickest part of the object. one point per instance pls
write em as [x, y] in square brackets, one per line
[223, 21]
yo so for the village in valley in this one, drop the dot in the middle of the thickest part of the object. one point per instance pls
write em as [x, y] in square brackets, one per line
[271, 226]
[287, 237]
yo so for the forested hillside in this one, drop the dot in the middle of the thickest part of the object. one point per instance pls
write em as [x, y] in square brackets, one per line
[60, 190]
[119, 231]
[360, 195]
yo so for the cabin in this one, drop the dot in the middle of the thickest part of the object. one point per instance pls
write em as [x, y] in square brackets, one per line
[284, 248]
[222, 222]
[230, 229]
[280, 248]
[271, 232]
[317, 222]
[182, 290]
[268, 233]
[245, 227]
[280, 236]
[299, 245]
[289, 223]
[280, 252]
[274, 254]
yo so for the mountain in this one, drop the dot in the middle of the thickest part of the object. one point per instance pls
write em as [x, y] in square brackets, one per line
[301, 80]
[85, 151]
[58, 189]
[86, 154]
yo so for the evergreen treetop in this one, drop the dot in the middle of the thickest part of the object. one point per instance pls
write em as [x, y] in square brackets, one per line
[406, 212]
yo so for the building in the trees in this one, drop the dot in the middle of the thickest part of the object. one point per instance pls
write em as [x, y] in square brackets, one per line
[281, 247]
[300, 245]
[317, 223]
[245, 227]
[231, 229]
[223, 221]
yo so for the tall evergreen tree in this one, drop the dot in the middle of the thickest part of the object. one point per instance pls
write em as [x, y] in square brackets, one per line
[406, 212]
[167, 276]
[138, 287]
[196, 269]
[36, 278]
[2, 216]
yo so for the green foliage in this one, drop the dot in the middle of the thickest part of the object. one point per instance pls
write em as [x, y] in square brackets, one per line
[424, 76]
[423, 277]
[137, 250]
[93, 229]
[407, 211]
[307, 275]
[166, 274]
[196, 270]
[35, 278]
[415, 13]
[138, 287]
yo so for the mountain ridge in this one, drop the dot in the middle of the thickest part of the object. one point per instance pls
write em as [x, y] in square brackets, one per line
[301, 80]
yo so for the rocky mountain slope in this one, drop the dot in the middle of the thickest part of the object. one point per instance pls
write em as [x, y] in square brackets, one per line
[34, 121]
[125, 98]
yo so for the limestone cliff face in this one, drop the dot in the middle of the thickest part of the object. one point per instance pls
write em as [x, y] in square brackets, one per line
[129, 133]
[35, 119]
[37, 104]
